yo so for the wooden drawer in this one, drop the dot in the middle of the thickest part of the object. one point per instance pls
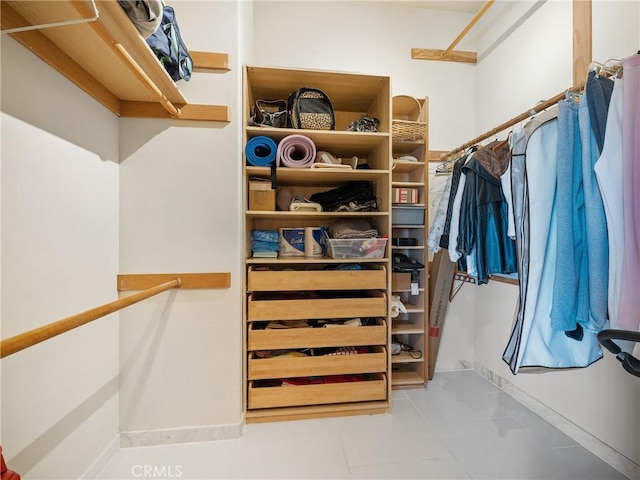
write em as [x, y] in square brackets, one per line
[274, 280]
[287, 396]
[263, 308]
[272, 339]
[286, 367]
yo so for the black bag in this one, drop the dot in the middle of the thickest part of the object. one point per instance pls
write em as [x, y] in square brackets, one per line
[342, 198]
[311, 109]
[403, 263]
[270, 113]
[166, 42]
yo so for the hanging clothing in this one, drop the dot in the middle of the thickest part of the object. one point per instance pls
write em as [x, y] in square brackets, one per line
[570, 288]
[629, 306]
[533, 342]
[608, 170]
[439, 217]
[483, 214]
[598, 90]
[455, 181]
[597, 241]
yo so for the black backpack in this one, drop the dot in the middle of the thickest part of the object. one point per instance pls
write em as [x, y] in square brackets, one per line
[311, 109]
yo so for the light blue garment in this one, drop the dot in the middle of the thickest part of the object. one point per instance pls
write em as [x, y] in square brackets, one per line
[570, 303]
[533, 343]
[595, 226]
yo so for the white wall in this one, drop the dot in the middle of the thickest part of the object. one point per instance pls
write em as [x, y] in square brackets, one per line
[59, 257]
[181, 352]
[375, 38]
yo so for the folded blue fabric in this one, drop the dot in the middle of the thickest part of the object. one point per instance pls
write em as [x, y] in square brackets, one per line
[261, 151]
[266, 235]
[259, 246]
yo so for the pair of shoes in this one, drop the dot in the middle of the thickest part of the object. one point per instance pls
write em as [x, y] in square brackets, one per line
[326, 158]
[301, 204]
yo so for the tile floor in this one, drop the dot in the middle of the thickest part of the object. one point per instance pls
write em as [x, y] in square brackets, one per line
[460, 427]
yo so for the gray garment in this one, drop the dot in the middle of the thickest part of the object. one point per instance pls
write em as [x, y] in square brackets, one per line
[439, 217]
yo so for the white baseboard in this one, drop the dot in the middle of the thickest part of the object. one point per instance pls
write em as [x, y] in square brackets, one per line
[597, 447]
[180, 435]
[98, 465]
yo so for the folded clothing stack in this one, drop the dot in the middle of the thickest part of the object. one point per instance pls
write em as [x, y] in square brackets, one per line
[265, 241]
[352, 229]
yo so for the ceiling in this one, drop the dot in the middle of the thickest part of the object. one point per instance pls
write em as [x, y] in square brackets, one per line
[465, 6]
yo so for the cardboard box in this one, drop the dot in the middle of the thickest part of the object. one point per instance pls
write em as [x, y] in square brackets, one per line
[401, 280]
[440, 281]
[404, 195]
[261, 196]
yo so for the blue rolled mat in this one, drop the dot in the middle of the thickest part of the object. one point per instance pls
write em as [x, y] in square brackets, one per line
[261, 151]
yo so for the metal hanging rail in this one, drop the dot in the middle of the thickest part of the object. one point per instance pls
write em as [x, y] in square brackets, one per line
[62, 23]
[27, 339]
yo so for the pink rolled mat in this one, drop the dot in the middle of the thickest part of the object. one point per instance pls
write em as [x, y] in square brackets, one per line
[296, 151]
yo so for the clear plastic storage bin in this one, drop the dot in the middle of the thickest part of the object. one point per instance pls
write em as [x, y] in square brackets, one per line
[356, 247]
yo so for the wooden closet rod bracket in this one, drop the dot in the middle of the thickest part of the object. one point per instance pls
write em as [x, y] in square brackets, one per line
[140, 281]
[450, 55]
[27, 339]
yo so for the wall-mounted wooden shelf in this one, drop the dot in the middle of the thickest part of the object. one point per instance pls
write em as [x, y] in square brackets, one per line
[107, 58]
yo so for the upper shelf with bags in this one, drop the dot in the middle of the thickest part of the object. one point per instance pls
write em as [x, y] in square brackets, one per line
[97, 47]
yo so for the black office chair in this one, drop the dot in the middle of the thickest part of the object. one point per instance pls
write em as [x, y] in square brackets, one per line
[630, 363]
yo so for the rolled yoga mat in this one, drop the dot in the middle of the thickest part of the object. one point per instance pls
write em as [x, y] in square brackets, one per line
[296, 151]
[261, 151]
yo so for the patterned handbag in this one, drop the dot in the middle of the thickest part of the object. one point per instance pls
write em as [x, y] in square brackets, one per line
[311, 109]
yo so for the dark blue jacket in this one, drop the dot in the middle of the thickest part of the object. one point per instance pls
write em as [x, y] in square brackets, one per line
[483, 215]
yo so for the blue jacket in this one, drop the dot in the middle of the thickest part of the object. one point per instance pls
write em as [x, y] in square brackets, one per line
[484, 215]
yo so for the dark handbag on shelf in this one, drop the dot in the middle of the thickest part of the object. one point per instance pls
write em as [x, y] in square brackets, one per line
[270, 113]
[311, 109]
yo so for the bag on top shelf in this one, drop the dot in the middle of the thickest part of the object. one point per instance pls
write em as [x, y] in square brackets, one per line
[166, 42]
[311, 109]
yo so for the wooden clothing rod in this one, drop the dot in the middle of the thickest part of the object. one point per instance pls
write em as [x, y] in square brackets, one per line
[523, 116]
[32, 337]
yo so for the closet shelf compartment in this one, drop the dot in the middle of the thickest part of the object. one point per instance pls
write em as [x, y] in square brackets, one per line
[316, 216]
[275, 339]
[261, 307]
[283, 367]
[316, 176]
[275, 280]
[310, 260]
[106, 57]
[404, 357]
[408, 374]
[279, 396]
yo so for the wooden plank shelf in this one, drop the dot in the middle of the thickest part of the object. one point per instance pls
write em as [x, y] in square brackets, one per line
[106, 57]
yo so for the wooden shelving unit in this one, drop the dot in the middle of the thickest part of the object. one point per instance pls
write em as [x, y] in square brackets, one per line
[107, 58]
[342, 294]
[411, 327]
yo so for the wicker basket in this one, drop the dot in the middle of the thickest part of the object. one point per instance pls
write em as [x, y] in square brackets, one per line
[407, 131]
